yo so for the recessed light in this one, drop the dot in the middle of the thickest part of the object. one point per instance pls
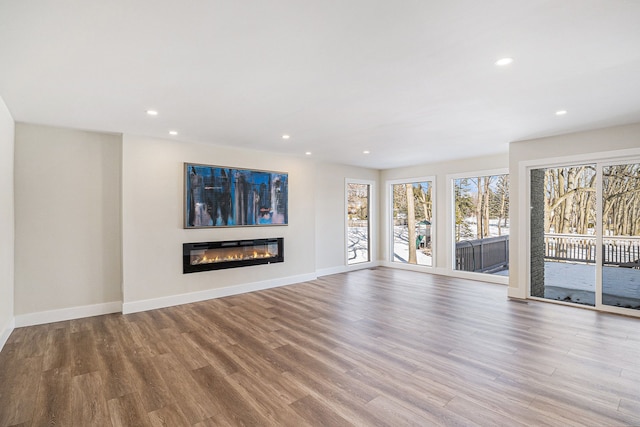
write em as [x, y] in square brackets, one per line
[152, 112]
[308, 153]
[173, 132]
[286, 136]
[503, 61]
[366, 152]
[561, 112]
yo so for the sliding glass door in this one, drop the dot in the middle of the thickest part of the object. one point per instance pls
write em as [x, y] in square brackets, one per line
[585, 234]
[563, 239]
[621, 235]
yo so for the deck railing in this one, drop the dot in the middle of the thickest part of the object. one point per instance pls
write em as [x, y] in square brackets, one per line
[492, 253]
[582, 248]
[483, 255]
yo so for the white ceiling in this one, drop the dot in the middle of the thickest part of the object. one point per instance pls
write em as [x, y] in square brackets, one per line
[413, 81]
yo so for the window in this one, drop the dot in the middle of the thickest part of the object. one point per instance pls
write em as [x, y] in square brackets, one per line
[358, 222]
[481, 223]
[412, 221]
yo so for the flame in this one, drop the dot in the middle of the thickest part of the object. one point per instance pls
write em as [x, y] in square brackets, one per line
[233, 256]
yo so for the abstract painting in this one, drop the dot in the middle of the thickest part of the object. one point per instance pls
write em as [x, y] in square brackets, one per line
[217, 196]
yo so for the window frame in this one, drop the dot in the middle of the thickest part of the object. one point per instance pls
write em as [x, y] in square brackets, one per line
[372, 221]
[389, 232]
[451, 240]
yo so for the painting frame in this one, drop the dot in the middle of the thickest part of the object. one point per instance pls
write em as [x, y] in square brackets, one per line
[222, 196]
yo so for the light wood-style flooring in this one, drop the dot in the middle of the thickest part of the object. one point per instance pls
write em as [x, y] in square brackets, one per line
[371, 347]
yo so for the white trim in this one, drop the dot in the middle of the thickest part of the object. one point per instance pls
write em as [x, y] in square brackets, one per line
[476, 277]
[6, 332]
[372, 219]
[450, 212]
[346, 268]
[415, 267]
[50, 316]
[599, 221]
[475, 174]
[172, 300]
[577, 159]
[332, 270]
[390, 226]
[524, 234]
[480, 277]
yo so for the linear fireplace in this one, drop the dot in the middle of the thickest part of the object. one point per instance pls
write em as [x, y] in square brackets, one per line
[230, 254]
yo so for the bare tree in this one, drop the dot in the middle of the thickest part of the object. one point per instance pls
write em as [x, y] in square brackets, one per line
[502, 191]
[479, 199]
[485, 206]
[621, 199]
[411, 223]
[570, 199]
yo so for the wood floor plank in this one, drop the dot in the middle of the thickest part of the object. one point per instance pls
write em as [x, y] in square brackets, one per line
[262, 400]
[368, 347]
[147, 380]
[117, 379]
[226, 400]
[170, 416]
[128, 410]
[18, 389]
[394, 413]
[194, 402]
[472, 411]
[185, 349]
[84, 353]
[88, 403]
[265, 374]
[313, 410]
[211, 351]
[53, 402]
[58, 349]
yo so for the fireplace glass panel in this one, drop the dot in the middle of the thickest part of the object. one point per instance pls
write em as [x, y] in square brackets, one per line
[227, 254]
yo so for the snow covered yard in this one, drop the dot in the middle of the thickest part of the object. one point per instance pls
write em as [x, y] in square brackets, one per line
[401, 247]
[576, 282]
[357, 249]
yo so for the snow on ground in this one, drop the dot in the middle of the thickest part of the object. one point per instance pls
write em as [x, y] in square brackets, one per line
[401, 247]
[357, 247]
[359, 240]
[493, 228]
[576, 282]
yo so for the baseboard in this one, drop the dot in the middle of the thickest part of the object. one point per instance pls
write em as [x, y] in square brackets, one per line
[346, 268]
[70, 313]
[6, 332]
[488, 278]
[414, 267]
[170, 301]
[481, 277]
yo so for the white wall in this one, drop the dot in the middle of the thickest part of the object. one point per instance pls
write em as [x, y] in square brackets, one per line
[330, 233]
[153, 232]
[443, 235]
[67, 227]
[594, 145]
[6, 223]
